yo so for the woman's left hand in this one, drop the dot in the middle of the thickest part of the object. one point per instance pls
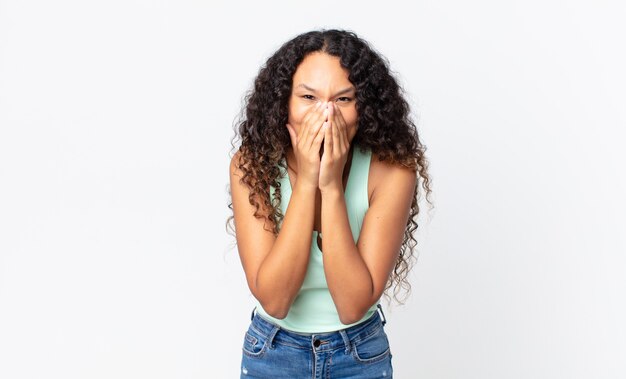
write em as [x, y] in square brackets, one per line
[336, 148]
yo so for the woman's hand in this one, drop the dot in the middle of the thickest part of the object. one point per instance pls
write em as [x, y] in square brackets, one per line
[307, 144]
[336, 148]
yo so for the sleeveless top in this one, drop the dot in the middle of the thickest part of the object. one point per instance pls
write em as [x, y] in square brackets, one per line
[313, 310]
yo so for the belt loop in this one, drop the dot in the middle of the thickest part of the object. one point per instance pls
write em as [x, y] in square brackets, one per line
[270, 337]
[252, 315]
[380, 308]
[346, 340]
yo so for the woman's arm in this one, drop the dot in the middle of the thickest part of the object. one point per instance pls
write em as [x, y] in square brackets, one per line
[357, 274]
[274, 266]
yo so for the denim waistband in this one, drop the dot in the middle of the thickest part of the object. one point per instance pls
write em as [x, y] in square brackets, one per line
[325, 341]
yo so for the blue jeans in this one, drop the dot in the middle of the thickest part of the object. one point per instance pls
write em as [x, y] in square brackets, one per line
[360, 351]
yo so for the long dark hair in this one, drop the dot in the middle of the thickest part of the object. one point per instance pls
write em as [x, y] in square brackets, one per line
[383, 125]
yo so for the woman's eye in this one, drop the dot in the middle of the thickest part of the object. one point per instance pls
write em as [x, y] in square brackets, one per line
[309, 97]
[345, 99]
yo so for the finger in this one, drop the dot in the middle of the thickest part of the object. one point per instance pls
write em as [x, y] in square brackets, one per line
[305, 120]
[316, 136]
[328, 139]
[317, 142]
[336, 134]
[315, 128]
[292, 135]
[313, 113]
[343, 127]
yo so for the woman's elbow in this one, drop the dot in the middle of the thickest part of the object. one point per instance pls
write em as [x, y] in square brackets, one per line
[351, 316]
[277, 314]
[275, 309]
[272, 305]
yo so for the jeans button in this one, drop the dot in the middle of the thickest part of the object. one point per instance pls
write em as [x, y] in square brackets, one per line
[316, 343]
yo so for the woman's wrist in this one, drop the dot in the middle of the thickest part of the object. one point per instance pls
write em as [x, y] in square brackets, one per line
[330, 190]
[304, 187]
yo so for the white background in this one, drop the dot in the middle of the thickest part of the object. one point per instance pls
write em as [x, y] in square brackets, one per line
[115, 127]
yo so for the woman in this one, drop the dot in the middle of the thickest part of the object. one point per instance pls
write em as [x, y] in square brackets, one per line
[324, 192]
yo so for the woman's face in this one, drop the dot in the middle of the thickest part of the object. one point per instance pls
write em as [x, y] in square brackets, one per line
[320, 77]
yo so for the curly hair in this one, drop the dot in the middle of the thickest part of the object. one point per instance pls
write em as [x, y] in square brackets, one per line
[383, 125]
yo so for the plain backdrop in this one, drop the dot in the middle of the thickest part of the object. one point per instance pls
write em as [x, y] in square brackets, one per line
[115, 126]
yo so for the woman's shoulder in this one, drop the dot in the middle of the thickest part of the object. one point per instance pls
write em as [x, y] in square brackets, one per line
[384, 174]
[235, 162]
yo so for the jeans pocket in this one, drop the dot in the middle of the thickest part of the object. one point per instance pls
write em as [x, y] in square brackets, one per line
[254, 343]
[372, 348]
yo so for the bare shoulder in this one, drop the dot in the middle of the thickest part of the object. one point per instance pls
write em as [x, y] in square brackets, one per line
[241, 192]
[235, 163]
[385, 175]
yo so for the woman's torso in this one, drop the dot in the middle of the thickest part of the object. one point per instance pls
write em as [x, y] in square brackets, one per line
[376, 171]
[313, 309]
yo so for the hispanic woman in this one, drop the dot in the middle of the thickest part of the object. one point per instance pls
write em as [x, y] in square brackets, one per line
[325, 183]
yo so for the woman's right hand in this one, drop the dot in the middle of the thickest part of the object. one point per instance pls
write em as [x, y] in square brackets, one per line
[307, 143]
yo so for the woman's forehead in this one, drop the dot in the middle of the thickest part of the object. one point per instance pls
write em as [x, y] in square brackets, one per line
[320, 70]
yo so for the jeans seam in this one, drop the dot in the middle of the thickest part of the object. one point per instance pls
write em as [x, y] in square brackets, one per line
[262, 334]
[291, 345]
[368, 335]
[377, 358]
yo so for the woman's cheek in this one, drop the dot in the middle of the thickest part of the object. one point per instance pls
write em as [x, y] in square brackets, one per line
[351, 132]
[350, 118]
[296, 116]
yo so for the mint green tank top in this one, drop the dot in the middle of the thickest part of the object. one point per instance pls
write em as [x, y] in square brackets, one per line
[313, 310]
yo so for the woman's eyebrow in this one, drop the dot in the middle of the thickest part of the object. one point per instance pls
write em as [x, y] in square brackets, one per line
[343, 91]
